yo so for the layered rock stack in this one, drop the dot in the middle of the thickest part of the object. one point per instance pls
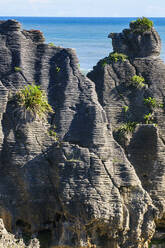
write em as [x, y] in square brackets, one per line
[84, 189]
[132, 93]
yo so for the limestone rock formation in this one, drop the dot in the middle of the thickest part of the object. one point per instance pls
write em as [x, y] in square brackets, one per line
[135, 44]
[8, 240]
[83, 189]
[129, 103]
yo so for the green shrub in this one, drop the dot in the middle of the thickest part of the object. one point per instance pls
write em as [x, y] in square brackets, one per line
[126, 128]
[51, 44]
[104, 62]
[115, 57]
[52, 132]
[17, 69]
[151, 102]
[137, 81]
[149, 118]
[34, 100]
[141, 25]
[57, 69]
[125, 108]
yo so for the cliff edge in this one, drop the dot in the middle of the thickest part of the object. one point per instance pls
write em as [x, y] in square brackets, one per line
[83, 189]
[130, 88]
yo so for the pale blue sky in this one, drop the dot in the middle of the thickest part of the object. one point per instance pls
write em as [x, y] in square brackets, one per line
[77, 8]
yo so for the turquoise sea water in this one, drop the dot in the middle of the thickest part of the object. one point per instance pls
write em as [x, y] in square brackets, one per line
[87, 35]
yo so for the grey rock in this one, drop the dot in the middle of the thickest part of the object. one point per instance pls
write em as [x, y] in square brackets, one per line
[144, 147]
[81, 189]
[7, 240]
[136, 44]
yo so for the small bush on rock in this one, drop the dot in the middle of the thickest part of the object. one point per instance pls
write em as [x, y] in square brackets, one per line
[137, 81]
[17, 69]
[34, 100]
[152, 102]
[141, 25]
[115, 57]
[126, 128]
[149, 118]
[51, 44]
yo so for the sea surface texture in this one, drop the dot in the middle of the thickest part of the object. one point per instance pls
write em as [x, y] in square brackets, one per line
[87, 35]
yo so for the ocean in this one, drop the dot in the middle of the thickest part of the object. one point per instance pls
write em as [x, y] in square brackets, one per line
[87, 35]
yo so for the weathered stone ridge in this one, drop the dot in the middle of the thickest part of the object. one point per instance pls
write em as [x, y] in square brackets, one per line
[83, 189]
[8, 240]
[136, 45]
[125, 104]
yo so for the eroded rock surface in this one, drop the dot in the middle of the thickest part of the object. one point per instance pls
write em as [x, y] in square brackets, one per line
[125, 104]
[8, 240]
[82, 189]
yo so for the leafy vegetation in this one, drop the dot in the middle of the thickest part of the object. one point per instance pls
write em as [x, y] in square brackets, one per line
[104, 62]
[34, 100]
[125, 108]
[53, 133]
[114, 57]
[17, 69]
[127, 127]
[51, 44]
[57, 69]
[149, 118]
[137, 81]
[152, 102]
[141, 25]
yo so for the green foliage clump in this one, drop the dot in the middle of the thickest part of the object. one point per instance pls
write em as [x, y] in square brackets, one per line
[152, 102]
[53, 133]
[141, 25]
[149, 118]
[34, 100]
[115, 57]
[137, 81]
[126, 128]
[17, 69]
[51, 44]
[57, 69]
[105, 62]
[125, 108]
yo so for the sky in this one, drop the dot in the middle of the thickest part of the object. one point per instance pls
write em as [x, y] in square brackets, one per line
[83, 8]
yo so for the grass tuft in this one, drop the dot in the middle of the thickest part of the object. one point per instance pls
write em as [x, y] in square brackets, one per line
[34, 100]
[141, 25]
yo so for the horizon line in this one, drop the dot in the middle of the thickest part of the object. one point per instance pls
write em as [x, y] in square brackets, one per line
[83, 16]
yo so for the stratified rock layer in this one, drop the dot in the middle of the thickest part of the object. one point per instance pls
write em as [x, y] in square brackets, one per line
[124, 103]
[8, 240]
[81, 189]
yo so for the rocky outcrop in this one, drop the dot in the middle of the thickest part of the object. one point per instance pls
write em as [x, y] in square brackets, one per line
[83, 190]
[8, 240]
[128, 105]
[136, 45]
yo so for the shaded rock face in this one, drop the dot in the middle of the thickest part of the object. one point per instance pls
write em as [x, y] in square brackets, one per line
[136, 44]
[125, 103]
[8, 240]
[82, 189]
